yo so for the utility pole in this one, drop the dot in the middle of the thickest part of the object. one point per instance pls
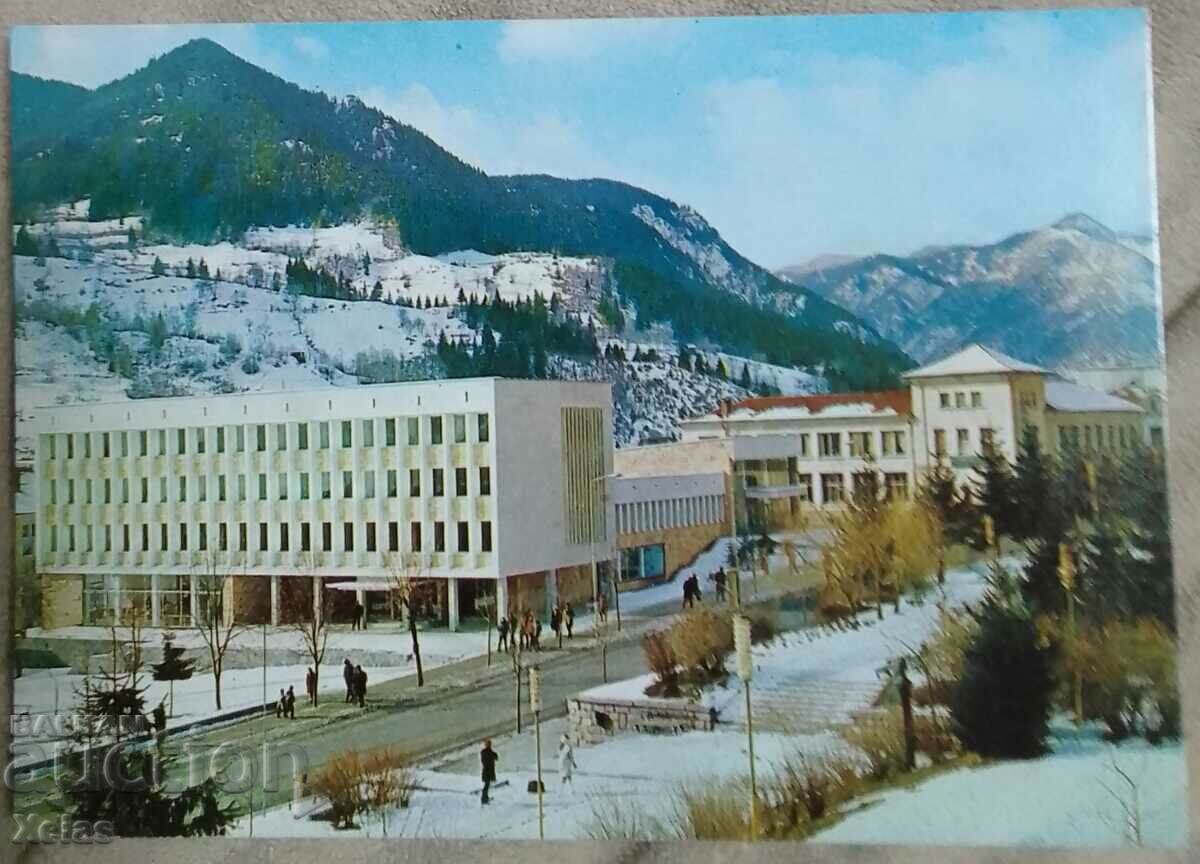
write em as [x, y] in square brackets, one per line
[733, 540]
[1066, 576]
[535, 703]
[745, 669]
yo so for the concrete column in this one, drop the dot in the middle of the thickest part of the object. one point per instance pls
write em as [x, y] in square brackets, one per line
[193, 598]
[501, 597]
[275, 600]
[116, 595]
[551, 590]
[155, 602]
[318, 584]
[452, 603]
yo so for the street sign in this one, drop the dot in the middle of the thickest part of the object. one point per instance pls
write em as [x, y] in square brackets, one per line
[741, 644]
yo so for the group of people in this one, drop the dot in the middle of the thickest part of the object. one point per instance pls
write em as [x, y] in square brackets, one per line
[691, 588]
[285, 706]
[489, 757]
[356, 683]
[526, 633]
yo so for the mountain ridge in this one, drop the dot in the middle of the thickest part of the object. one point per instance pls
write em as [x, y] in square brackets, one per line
[206, 145]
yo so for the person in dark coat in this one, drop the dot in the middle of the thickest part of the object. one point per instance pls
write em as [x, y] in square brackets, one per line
[290, 703]
[310, 685]
[348, 677]
[360, 686]
[556, 623]
[719, 582]
[502, 631]
[569, 620]
[537, 636]
[487, 761]
[281, 705]
[159, 715]
[358, 616]
[687, 592]
[602, 608]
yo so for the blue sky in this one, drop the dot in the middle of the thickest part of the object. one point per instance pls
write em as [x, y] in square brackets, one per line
[795, 136]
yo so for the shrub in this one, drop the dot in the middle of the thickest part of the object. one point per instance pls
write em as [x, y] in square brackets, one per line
[356, 783]
[701, 639]
[1121, 665]
[880, 738]
[763, 625]
[231, 346]
[713, 812]
[1001, 706]
[807, 788]
[661, 660]
[935, 738]
[250, 364]
[622, 819]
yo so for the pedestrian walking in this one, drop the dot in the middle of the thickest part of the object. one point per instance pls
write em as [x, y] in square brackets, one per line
[487, 762]
[602, 608]
[281, 705]
[348, 677]
[718, 580]
[360, 686]
[687, 593]
[310, 685]
[556, 623]
[159, 717]
[566, 761]
[360, 615]
[569, 620]
[537, 636]
[291, 703]
[502, 631]
[695, 589]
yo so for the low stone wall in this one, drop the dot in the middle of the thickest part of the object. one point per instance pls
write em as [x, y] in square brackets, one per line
[592, 720]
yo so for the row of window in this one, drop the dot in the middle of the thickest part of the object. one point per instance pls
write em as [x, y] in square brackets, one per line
[833, 487]
[196, 489]
[1099, 437]
[275, 436]
[197, 538]
[962, 441]
[860, 445]
[958, 399]
[669, 513]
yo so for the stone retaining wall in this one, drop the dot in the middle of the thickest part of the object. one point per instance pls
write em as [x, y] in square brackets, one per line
[592, 720]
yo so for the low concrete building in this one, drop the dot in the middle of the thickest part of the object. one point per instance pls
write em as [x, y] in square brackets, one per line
[478, 488]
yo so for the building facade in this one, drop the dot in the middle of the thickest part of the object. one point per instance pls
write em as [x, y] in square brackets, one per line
[790, 452]
[481, 486]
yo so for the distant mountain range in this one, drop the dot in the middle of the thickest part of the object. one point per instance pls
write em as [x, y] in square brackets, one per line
[204, 145]
[1072, 294]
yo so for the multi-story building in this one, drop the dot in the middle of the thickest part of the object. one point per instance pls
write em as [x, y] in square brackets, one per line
[791, 451]
[480, 487]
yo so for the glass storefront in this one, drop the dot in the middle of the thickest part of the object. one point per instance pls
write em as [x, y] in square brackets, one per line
[643, 563]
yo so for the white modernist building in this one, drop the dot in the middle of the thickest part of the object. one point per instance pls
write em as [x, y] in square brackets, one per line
[483, 487]
[805, 449]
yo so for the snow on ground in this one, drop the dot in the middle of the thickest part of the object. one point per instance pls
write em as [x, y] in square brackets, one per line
[645, 772]
[842, 664]
[47, 691]
[1072, 797]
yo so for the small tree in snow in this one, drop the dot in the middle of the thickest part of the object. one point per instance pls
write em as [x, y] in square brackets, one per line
[214, 620]
[307, 615]
[410, 586]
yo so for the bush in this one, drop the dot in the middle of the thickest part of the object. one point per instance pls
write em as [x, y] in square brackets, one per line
[661, 660]
[713, 812]
[621, 819]
[231, 346]
[763, 625]
[701, 639]
[250, 364]
[356, 783]
[935, 737]
[880, 738]
[806, 789]
[1001, 706]
[1122, 664]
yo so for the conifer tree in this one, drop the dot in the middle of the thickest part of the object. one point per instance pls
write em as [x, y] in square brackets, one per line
[745, 379]
[1031, 486]
[158, 268]
[994, 490]
[25, 244]
[174, 667]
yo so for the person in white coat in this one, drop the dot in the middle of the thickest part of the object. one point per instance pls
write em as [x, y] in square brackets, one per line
[566, 761]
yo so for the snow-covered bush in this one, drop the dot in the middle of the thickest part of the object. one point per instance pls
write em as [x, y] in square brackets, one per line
[231, 346]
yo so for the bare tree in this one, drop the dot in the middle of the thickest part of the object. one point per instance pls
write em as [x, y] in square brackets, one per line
[215, 619]
[410, 586]
[309, 618]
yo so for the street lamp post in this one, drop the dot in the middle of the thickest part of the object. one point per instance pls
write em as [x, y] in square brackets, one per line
[745, 669]
[733, 540]
[535, 703]
[1066, 576]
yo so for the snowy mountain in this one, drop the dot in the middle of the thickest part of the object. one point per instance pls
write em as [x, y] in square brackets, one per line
[1075, 293]
[206, 147]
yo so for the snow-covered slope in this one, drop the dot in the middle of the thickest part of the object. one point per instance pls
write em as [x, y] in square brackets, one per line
[241, 329]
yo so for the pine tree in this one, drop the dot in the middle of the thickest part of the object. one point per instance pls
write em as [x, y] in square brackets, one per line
[462, 297]
[1031, 486]
[938, 493]
[202, 270]
[377, 291]
[1001, 705]
[685, 359]
[25, 244]
[994, 490]
[366, 263]
[174, 667]
[132, 238]
[745, 379]
[158, 268]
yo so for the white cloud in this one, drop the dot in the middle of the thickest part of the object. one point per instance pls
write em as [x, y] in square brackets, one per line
[96, 54]
[310, 47]
[546, 142]
[859, 156]
[584, 39]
